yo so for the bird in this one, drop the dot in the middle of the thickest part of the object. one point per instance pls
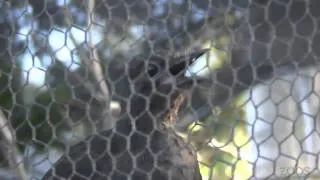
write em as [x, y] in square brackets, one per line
[143, 144]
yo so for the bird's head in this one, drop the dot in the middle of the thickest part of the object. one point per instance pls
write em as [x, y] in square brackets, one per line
[156, 82]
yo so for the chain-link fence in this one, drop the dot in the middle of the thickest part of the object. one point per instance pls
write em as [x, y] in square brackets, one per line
[167, 89]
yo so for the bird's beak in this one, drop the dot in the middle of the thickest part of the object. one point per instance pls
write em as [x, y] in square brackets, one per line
[183, 62]
[178, 69]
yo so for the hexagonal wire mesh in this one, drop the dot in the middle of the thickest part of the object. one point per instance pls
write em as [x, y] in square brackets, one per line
[206, 89]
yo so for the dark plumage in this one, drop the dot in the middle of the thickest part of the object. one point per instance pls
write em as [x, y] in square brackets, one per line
[142, 145]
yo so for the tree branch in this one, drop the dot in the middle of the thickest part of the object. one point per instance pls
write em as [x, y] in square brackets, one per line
[92, 62]
[13, 156]
[94, 59]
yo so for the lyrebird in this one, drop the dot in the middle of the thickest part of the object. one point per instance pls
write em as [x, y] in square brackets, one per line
[141, 145]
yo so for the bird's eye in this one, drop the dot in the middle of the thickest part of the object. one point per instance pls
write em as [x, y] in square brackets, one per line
[153, 69]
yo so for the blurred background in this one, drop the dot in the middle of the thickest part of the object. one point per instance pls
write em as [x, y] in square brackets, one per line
[258, 118]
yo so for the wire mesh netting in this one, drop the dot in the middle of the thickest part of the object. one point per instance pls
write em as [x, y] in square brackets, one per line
[167, 89]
